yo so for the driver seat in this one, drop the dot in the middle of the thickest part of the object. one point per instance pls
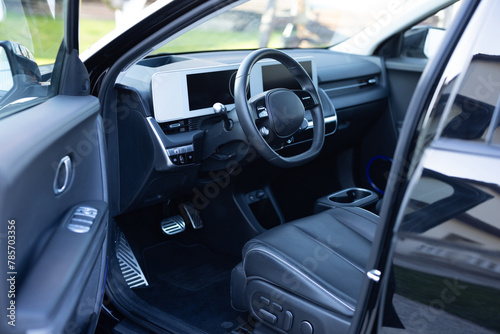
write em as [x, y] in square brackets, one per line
[305, 276]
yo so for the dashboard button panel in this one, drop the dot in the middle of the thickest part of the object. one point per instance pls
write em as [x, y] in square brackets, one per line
[182, 155]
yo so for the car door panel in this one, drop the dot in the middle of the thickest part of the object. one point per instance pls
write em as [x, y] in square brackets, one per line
[52, 263]
[407, 54]
[40, 299]
[403, 75]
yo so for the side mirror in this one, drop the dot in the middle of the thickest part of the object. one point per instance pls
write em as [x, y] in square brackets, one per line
[6, 75]
[422, 42]
[18, 71]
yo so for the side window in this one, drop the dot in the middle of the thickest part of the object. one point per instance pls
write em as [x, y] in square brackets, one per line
[30, 36]
[446, 264]
[471, 115]
[424, 39]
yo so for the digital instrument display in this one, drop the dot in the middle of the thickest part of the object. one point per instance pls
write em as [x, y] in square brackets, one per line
[278, 76]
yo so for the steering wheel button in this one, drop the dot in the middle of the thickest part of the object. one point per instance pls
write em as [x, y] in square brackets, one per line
[264, 131]
[263, 113]
[190, 157]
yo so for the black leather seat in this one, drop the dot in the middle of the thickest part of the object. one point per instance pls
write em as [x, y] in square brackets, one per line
[306, 273]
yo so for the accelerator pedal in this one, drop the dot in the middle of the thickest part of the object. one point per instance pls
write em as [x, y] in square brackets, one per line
[173, 225]
[192, 215]
[131, 271]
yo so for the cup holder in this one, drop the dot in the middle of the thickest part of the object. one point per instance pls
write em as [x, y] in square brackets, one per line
[348, 197]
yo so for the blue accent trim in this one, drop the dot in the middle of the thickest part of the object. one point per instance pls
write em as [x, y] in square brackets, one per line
[382, 157]
[104, 283]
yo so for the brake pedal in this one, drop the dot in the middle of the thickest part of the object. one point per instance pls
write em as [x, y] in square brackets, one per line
[192, 215]
[173, 225]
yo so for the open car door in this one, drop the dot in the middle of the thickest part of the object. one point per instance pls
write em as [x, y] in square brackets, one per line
[438, 268]
[53, 191]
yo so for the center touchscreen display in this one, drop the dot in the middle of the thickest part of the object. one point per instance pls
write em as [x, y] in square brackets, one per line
[205, 89]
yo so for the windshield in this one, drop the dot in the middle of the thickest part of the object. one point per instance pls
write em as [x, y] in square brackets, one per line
[283, 24]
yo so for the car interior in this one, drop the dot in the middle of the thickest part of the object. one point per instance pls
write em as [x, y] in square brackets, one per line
[250, 166]
[249, 187]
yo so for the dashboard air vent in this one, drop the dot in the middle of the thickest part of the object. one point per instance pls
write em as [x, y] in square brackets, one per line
[336, 88]
[194, 124]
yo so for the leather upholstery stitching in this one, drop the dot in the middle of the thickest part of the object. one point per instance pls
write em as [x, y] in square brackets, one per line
[374, 219]
[331, 249]
[343, 303]
[370, 237]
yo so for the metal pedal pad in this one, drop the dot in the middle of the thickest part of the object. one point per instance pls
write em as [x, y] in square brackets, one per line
[131, 271]
[191, 214]
[173, 225]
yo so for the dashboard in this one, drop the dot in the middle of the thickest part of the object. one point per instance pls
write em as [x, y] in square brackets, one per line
[170, 138]
[182, 94]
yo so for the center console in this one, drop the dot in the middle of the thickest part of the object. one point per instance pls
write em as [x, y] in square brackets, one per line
[351, 197]
[260, 208]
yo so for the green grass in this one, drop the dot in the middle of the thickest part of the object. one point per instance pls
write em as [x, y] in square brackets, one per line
[43, 34]
[475, 303]
[92, 30]
[203, 40]
[40, 34]
[47, 33]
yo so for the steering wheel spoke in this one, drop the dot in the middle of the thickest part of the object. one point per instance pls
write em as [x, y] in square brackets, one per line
[307, 99]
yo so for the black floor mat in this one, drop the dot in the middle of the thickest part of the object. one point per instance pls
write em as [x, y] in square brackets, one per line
[191, 282]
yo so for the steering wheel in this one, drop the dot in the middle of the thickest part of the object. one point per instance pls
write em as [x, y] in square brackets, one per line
[273, 117]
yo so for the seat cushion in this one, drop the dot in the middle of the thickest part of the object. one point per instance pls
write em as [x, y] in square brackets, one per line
[321, 258]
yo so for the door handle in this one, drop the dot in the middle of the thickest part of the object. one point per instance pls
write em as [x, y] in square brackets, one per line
[63, 175]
